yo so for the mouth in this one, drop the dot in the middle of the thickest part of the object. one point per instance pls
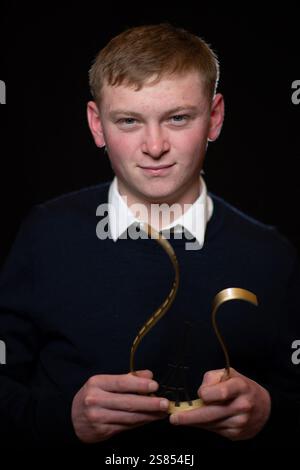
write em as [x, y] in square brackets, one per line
[158, 170]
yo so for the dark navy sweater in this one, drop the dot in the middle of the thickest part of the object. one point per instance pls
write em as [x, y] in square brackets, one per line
[71, 305]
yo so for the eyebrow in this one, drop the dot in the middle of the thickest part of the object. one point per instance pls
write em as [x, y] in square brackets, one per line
[114, 113]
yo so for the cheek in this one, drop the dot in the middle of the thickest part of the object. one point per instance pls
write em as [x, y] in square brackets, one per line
[193, 138]
[120, 154]
[192, 145]
[121, 147]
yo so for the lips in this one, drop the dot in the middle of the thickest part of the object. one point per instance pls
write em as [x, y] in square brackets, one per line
[157, 170]
[156, 167]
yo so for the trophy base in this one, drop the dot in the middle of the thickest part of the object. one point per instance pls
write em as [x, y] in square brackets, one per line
[184, 406]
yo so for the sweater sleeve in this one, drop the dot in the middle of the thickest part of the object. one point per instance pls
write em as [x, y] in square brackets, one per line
[283, 426]
[28, 415]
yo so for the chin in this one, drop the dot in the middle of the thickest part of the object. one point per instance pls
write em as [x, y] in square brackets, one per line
[158, 198]
[158, 191]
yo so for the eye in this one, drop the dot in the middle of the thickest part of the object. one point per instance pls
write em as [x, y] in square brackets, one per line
[179, 119]
[127, 121]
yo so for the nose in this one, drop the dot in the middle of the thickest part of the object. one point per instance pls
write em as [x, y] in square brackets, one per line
[155, 143]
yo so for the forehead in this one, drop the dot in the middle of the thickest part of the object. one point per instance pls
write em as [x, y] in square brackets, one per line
[170, 91]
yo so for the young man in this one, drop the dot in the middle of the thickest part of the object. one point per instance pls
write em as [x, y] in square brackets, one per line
[72, 300]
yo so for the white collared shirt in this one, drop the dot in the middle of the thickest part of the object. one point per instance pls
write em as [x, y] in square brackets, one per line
[193, 220]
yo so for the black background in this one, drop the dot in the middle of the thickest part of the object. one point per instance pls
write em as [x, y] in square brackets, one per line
[46, 148]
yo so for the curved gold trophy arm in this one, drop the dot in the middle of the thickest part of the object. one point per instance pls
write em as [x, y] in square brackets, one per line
[231, 293]
[164, 307]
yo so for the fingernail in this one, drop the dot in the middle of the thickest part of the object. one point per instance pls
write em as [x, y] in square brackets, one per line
[164, 404]
[152, 386]
[174, 418]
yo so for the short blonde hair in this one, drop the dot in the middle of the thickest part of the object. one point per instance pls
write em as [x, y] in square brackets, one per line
[144, 52]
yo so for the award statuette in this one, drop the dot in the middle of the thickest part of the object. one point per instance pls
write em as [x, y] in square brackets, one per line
[231, 293]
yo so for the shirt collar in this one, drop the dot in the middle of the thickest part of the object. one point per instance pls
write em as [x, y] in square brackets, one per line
[194, 220]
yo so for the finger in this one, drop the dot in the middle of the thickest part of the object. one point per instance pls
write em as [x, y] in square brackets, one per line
[224, 391]
[129, 402]
[230, 433]
[234, 413]
[239, 421]
[124, 383]
[207, 415]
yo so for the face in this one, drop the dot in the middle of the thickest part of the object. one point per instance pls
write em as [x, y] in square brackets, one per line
[157, 137]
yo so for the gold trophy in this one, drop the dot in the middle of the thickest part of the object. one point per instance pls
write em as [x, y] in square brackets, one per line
[231, 293]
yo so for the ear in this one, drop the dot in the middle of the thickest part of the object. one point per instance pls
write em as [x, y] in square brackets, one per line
[216, 117]
[95, 125]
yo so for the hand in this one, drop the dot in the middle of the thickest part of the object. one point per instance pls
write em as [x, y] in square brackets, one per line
[109, 404]
[236, 408]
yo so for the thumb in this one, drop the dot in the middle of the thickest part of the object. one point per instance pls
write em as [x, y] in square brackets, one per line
[212, 377]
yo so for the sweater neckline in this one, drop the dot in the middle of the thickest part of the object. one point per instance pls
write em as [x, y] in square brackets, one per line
[212, 227]
[214, 224]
